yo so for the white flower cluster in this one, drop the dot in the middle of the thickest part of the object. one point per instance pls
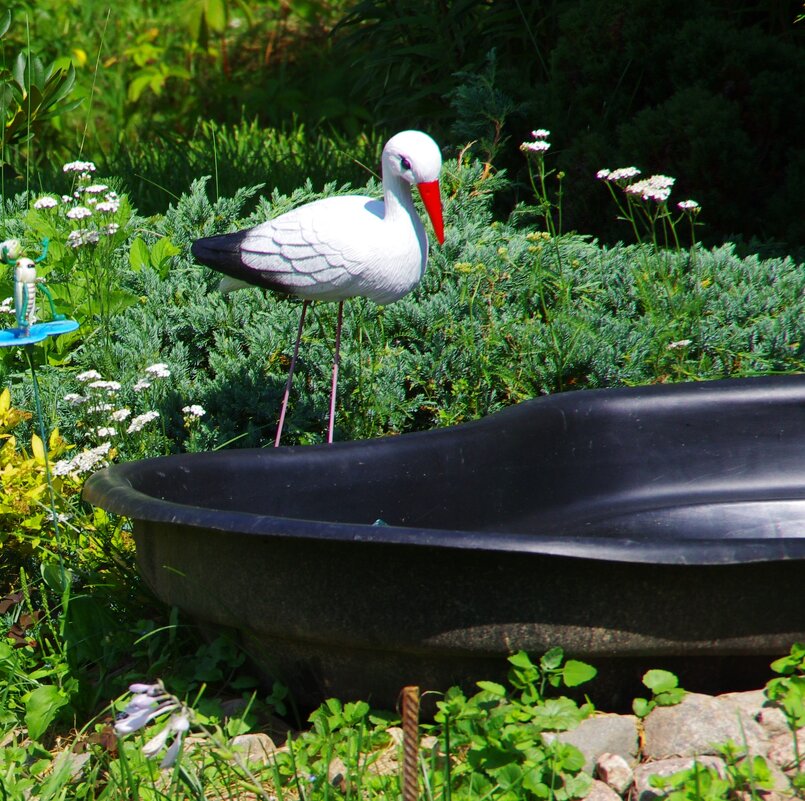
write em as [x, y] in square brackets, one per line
[619, 175]
[158, 370]
[107, 419]
[83, 167]
[83, 236]
[655, 187]
[680, 343]
[83, 462]
[79, 213]
[540, 146]
[46, 202]
[689, 207]
[139, 422]
[7, 306]
[86, 202]
[148, 702]
[194, 410]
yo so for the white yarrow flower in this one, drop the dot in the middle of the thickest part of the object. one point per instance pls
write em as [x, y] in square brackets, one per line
[119, 415]
[79, 166]
[540, 133]
[141, 385]
[105, 431]
[79, 213]
[655, 187]
[95, 189]
[601, 174]
[46, 202]
[158, 370]
[88, 375]
[680, 343]
[83, 462]
[109, 386]
[194, 410]
[623, 174]
[141, 421]
[688, 205]
[540, 146]
[74, 399]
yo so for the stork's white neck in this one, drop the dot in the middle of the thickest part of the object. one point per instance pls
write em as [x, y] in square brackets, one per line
[397, 199]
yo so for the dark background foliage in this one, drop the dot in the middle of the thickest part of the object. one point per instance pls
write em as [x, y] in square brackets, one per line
[712, 93]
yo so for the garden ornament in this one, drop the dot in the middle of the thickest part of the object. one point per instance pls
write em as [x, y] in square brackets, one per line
[340, 247]
[26, 283]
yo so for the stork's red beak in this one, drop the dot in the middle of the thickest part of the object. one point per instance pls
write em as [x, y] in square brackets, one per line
[429, 190]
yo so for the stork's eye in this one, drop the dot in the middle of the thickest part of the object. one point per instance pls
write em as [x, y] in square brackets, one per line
[404, 163]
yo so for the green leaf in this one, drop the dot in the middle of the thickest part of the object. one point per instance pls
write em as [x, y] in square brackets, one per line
[139, 257]
[18, 70]
[557, 714]
[56, 577]
[161, 254]
[552, 659]
[41, 707]
[5, 23]
[660, 680]
[492, 687]
[215, 13]
[575, 673]
[38, 449]
[521, 660]
[641, 707]
[670, 697]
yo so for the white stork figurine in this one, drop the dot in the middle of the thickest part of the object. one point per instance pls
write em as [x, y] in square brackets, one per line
[340, 247]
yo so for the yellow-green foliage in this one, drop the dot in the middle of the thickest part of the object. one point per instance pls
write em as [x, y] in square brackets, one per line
[25, 503]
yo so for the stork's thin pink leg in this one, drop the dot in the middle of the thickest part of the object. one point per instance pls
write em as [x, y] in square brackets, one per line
[284, 406]
[336, 360]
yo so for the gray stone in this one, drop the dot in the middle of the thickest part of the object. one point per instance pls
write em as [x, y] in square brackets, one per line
[337, 774]
[756, 705]
[773, 721]
[604, 734]
[781, 750]
[615, 772]
[698, 725]
[601, 792]
[255, 748]
[643, 791]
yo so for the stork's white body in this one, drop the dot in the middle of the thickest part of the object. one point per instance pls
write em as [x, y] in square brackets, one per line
[339, 248]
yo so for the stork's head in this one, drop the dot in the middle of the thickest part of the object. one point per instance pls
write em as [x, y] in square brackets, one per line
[414, 157]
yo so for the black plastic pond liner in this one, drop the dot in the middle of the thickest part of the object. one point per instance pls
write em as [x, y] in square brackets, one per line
[642, 527]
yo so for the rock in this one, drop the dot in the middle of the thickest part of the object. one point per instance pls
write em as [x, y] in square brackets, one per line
[643, 791]
[337, 774]
[601, 792]
[756, 705]
[781, 750]
[604, 734]
[256, 748]
[615, 772]
[698, 725]
[773, 721]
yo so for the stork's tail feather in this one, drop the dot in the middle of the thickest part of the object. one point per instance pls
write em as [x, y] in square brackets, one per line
[219, 252]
